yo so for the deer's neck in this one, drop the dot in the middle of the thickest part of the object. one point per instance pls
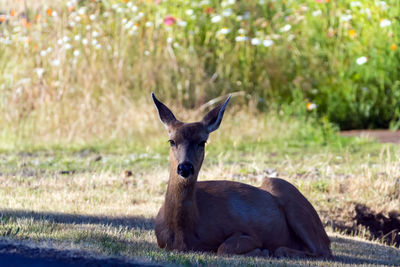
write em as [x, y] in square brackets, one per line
[180, 203]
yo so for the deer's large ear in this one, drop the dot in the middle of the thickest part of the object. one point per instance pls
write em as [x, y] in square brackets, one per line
[213, 118]
[166, 116]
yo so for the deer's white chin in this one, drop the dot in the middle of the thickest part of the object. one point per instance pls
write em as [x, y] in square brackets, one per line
[184, 178]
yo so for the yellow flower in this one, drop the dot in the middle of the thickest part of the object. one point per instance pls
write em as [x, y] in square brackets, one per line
[352, 33]
[394, 47]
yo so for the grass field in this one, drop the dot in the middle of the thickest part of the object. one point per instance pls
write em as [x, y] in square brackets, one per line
[102, 199]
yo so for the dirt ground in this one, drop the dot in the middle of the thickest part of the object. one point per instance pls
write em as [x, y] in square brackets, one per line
[383, 136]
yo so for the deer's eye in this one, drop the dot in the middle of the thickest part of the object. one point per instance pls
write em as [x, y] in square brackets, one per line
[202, 143]
[171, 142]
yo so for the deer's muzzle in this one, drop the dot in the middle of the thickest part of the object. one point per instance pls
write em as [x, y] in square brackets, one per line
[185, 169]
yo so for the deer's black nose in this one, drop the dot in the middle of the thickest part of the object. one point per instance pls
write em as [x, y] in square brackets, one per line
[185, 169]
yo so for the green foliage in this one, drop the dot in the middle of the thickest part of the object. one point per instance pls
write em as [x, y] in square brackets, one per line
[340, 55]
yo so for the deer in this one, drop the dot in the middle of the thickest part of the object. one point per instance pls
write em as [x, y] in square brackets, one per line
[228, 217]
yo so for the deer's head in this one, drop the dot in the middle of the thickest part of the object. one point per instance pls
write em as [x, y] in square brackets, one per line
[187, 140]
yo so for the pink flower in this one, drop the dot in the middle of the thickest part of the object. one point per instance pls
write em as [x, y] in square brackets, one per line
[169, 20]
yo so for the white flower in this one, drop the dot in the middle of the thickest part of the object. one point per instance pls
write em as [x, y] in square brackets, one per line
[316, 13]
[54, 14]
[67, 46]
[346, 18]
[148, 24]
[71, 24]
[224, 31]
[88, 27]
[311, 106]
[98, 46]
[39, 72]
[49, 50]
[95, 34]
[268, 42]
[291, 37]
[66, 39]
[94, 42]
[261, 2]
[170, 40]
[59, 41]
[285, 28]
[189, 12]
[146, 53]
[361, 60]
[239, 18]
[216, 18]
[355, 4]
[77, 18]
[241, 38]
[76, 53]
[81, 11]
[181, 23]
[43, 53]
[55, 62]
[227, 12]
[255, 41]
[92, 17]
[385, 23]
[383, 5]
[134, 8]
[77, 37]
[85, 41]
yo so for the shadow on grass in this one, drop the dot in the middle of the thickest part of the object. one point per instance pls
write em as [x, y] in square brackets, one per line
[360, 252]
[58, 217]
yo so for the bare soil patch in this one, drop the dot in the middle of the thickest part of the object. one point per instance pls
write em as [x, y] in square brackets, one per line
[383, 136]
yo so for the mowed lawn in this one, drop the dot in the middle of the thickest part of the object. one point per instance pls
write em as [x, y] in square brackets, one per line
[102, 199]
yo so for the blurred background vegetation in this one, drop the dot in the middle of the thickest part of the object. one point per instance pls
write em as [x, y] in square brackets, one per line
[80, 71]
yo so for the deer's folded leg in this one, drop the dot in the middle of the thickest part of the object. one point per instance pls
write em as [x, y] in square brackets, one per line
[240, 243]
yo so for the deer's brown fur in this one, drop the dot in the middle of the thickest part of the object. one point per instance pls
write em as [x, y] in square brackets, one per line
[230, 217]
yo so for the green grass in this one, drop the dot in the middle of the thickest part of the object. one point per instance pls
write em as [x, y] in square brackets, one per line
[82, 197]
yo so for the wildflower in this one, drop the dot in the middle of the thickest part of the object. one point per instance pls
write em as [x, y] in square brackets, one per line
[98, 46]
[39, 72]
[346, 18]
[216, 19]
[92, 17]
[95, 34]
[209, 10]
[38, 18]
[239, 18]
[394, 47]
[383, 5]
[181, 23]
[352, 33]
[241, 38]
[189, 12]
[43, 53]
[148, 24]
[169, 20]
[385, 23]
[223, 31]
[355, 4]
[316, 13]
[285, 28]
[255, 41]
[311, 106]
[268, 43]
[146, 53]
[54, 14]
[76, 53]
[290, 37]
[227, 12]
[26, 23]
[361, 60]
[85, 41]
[55, 62]
[67, 46]
[12, 12]
[170, 40]
[49, 12]
[77, 37]
[81, 11]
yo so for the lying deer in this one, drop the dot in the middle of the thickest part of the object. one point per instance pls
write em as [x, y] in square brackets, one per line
[230, 217]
